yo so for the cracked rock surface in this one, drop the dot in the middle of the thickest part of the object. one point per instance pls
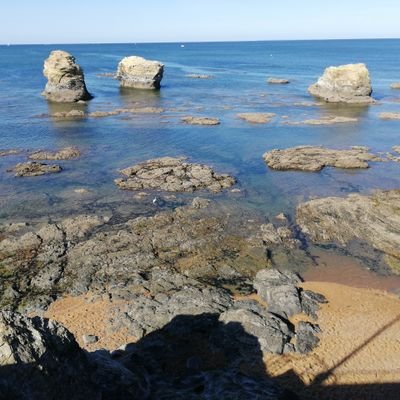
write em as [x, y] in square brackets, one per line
[315, 158]
[173, 175]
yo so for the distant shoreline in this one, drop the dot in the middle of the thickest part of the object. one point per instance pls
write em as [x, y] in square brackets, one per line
[199, 42]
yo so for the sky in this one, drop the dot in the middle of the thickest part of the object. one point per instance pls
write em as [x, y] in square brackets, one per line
[133, 21]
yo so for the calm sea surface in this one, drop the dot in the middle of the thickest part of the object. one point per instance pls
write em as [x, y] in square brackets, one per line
[239, 72]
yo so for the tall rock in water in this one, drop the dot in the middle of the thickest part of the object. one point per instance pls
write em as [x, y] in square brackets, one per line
[137, 72]
[344, 84]
[66, 83]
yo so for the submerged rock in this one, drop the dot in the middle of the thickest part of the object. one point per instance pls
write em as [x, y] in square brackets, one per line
[9, 152]
[373, 219]
[278, 81]
[66, 83]
[390, 115]
[174, 175]
[32, 168]
[66, 153]
[73, 114]
[200, 120]
[257, 118]
[344, 84]
[136, 110]
[315, 158]
[326, 121]
[198, 76]
[137, 72]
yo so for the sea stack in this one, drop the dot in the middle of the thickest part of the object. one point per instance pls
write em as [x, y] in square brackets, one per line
[139, 73]
[344, 84]
[65, 79]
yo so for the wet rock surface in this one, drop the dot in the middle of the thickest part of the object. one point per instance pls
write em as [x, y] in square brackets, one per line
[389, 115]
[200, 121]
[73, 114]
[66, 153]
[9, 152]
[33, 168]
[66, 83]
[326, 121]
[40, 262]
[139, 73]
[315, 158]
[173, 175]
[278, 81]
[257, 118]
[344, 84]
[371, 219]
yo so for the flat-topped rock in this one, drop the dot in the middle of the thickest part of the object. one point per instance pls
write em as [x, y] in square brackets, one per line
[65, 79]
[344, 84]
[137, 72]
[73, 114]
[325, 121]
[374, 219]
[33, 168]
[278, 81]
[174, 175]
[118, 111]
[395, 85]
[256, 118]
[9, 152]
[198, 76]
[390, 115]
[315, 158]
[200, 120]
[64, 154]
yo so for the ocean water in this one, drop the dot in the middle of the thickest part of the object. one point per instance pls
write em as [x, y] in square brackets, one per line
[239, 72]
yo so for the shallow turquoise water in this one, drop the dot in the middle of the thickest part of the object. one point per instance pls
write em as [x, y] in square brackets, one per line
[239, 72]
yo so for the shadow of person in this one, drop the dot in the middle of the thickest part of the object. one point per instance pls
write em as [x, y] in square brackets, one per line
[199, 357]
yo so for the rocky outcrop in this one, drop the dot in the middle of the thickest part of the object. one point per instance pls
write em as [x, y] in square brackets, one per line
[139, 73]
[372, 219]
[395, 85]
[390, 115]
[257, 118]
[173, 175]
[66, 83]
[310, 158]
[38, 357]
[200, 120]
[33, 168]
[278, 81]
[344, 84]
[91, 254]
[66, 153]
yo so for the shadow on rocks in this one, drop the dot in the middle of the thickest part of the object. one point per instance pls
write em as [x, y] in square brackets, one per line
[192, 357]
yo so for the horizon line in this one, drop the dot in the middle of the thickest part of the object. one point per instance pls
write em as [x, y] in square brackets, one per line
[200, 41]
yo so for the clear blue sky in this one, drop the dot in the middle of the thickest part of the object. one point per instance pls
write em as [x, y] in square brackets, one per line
[81, 21]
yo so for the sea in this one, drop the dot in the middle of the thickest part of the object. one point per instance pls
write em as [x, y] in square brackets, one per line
[238, 83]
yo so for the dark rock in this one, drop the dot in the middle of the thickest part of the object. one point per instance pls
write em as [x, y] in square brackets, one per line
[311, 301]
[306, 337]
